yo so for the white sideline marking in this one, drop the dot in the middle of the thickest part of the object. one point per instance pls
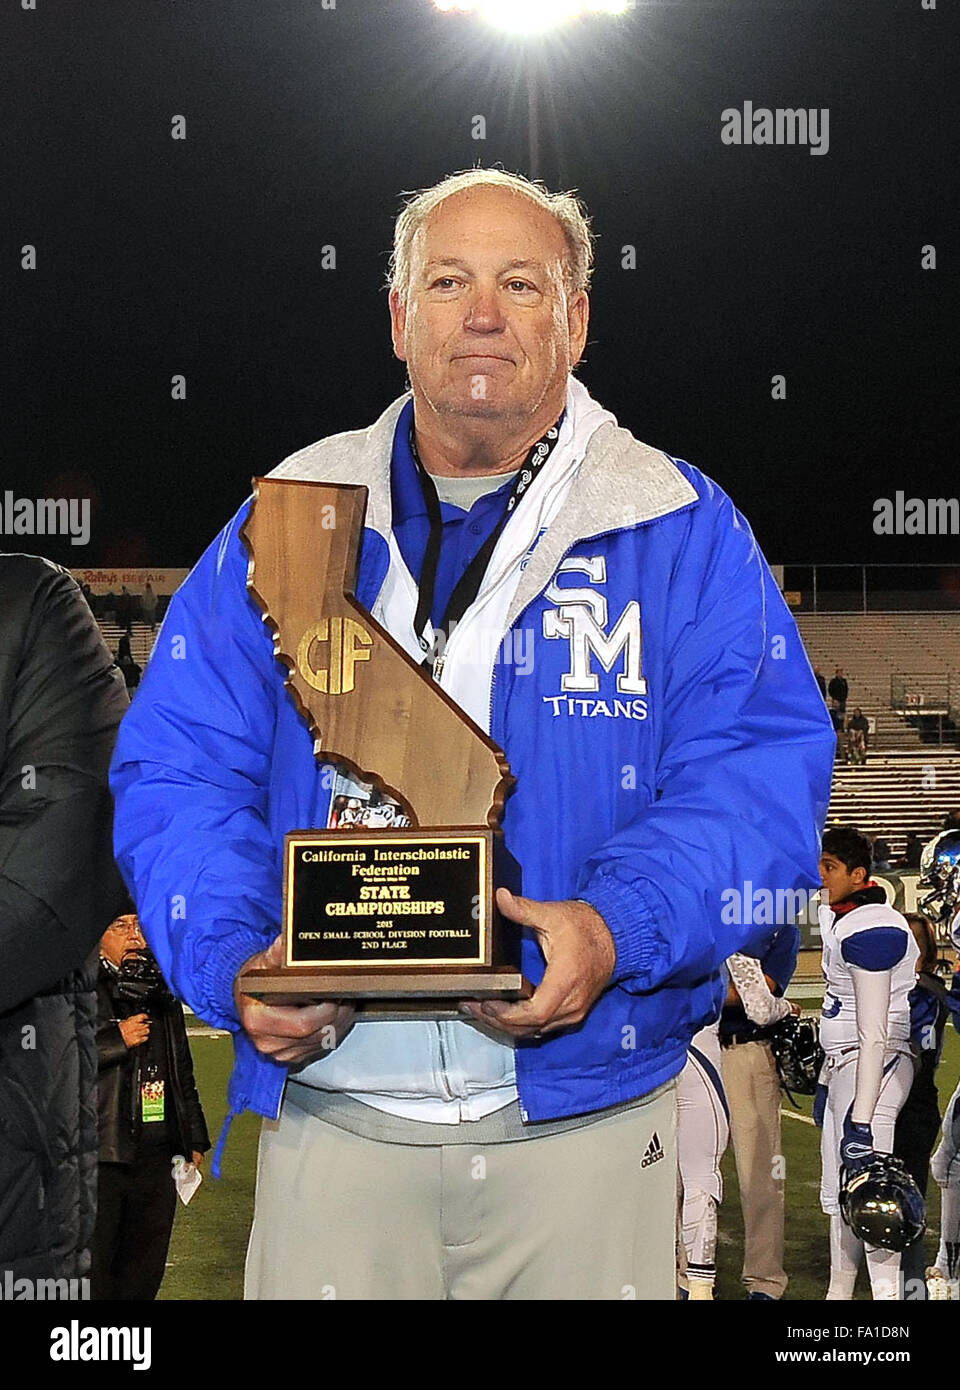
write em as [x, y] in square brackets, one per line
[795, 1115]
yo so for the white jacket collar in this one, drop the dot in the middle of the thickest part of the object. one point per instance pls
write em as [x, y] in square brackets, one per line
[620, 484]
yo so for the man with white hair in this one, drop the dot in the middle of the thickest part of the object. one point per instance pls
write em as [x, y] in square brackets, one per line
[668, 741]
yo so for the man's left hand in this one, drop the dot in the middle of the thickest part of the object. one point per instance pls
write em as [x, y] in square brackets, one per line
[197, 1158]
[580, 956]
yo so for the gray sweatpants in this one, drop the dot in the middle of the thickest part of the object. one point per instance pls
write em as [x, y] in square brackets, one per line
[586, 1214]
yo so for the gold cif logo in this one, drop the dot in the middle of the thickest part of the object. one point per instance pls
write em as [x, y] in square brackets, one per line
[349, 643]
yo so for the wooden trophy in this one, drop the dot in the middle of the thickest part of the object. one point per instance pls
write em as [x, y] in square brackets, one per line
[404, 919]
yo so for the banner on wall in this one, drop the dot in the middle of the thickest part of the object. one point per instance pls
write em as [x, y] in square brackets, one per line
[113, 581]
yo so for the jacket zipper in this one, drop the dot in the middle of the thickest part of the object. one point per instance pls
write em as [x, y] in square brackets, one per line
[442, 1077]
[493, 681]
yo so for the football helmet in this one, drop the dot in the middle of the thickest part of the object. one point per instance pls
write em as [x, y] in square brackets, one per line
[882, 1204]
[795, 1043]
[940, 873]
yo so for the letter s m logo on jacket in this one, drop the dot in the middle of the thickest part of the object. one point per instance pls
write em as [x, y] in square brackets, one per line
[581, 617]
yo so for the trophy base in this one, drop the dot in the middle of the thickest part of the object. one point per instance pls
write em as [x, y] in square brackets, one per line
[389, 993]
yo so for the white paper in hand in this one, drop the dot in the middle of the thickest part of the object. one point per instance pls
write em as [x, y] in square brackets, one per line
[187, 1177]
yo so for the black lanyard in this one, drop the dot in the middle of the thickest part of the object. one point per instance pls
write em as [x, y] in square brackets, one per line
[468, 585]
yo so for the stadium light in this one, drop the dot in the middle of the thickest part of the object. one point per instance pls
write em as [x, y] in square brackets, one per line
[533, 16]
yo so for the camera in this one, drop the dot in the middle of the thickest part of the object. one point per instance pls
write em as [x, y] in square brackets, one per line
[139, 980]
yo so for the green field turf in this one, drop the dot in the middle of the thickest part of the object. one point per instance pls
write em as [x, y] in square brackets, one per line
[210, 1237]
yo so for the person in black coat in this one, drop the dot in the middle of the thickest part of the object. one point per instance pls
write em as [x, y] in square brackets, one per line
[839, 689]
[61, 702]
[149, 1110]
[124, 607]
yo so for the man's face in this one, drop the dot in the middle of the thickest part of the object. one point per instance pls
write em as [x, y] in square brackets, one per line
[838, 880]
[486, 330]
[122, 935]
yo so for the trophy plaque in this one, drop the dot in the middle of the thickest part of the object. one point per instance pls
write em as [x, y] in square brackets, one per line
[394, 909]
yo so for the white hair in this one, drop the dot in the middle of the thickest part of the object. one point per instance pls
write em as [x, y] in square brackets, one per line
[565, 207]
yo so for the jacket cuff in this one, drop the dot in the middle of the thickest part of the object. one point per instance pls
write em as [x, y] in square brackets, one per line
[630, 922]
[219, 974]
[111, 1048]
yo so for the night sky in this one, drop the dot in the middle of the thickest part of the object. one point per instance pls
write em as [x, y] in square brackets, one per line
[304, 125]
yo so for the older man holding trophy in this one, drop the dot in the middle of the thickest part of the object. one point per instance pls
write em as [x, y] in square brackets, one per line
[462, 911]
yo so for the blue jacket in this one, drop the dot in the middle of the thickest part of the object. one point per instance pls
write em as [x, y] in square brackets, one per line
[645, 805]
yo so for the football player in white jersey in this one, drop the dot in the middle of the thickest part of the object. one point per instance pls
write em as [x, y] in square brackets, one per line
[869, 964]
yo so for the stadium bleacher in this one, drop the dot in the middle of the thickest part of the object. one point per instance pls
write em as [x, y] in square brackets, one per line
[873, 648]
[897, 792]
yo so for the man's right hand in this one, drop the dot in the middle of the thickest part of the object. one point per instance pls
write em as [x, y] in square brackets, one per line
[135, 1030]
[290, 1033]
